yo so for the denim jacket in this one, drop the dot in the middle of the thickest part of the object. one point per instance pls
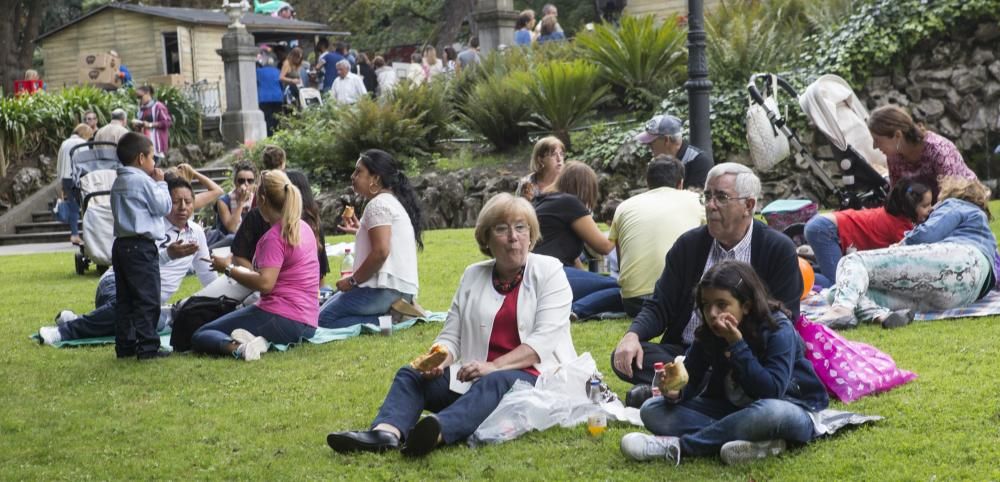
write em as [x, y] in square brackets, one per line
[781, 372]
[956, 221]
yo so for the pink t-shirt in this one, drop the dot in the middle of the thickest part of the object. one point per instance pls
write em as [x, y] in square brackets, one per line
[296, 292]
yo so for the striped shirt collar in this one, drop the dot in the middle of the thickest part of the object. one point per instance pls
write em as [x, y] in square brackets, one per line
[718, 254]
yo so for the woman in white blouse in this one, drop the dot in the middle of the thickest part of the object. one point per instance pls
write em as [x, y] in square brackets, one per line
[509, 321]
[385, 263]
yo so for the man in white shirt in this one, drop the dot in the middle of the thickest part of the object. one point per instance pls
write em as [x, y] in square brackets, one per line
[348, 88]
[115, 129]
[64, 169]
[182, 247]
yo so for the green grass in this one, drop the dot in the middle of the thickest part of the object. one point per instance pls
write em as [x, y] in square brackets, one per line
[79, 413]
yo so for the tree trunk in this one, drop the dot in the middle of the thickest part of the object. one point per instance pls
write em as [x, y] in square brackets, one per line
[456, 12]
[18, 33]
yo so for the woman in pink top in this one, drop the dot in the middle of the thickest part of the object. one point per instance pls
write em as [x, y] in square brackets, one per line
[286, 273]
[913, 152]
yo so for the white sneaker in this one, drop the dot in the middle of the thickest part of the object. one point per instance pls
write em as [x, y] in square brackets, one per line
[643, 447]
[742, 451]
[252, 350]
[242, 336]
[50, 335]
[66, 316]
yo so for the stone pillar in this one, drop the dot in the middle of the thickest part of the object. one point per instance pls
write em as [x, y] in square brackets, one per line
[495, 21]
[243, 120]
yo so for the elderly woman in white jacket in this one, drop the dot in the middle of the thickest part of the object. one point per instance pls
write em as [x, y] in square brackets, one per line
[508, 321]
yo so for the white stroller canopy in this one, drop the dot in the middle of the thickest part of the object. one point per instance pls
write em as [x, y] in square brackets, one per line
[831, 104]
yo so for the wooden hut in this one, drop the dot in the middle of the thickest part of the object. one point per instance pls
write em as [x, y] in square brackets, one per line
[158, 41]
[662, 8]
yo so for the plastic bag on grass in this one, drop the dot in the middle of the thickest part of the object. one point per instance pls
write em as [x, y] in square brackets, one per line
[557, 398]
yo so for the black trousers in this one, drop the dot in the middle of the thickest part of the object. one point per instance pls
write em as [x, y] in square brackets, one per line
[651, 353]
[137, 276]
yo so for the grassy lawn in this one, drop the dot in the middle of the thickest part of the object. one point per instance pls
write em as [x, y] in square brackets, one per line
[79, 413]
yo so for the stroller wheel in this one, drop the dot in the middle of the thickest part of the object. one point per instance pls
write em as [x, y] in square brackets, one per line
[81, 264]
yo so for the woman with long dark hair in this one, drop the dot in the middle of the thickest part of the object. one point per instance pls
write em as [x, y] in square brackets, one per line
[750, 386]
[388, 235]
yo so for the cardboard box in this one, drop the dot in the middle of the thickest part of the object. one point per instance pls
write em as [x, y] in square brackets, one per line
[98, 62]
[100, 77]
[175, 80]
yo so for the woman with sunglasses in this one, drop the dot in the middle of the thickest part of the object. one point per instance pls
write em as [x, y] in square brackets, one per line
[231, 208]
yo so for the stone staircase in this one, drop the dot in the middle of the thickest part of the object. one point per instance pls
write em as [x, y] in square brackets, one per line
[43, 227]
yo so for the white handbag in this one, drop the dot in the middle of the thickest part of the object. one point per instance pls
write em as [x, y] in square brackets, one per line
[768, 146]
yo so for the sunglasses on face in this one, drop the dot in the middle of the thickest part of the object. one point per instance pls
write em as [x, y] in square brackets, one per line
[244, 181]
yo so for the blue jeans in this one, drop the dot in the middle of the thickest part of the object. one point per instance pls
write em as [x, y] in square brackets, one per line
[459, 415]
[101, 321]
[593, 293]
[359, 305]
[72, 195]
[705, 424]
[213, 338]
[821, 233]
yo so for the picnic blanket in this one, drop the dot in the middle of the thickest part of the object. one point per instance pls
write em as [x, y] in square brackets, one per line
[815, 305]
[323, 335]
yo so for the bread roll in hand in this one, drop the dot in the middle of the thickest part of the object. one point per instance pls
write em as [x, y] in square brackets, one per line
[675, 376]
[430, 360]
[348, 212]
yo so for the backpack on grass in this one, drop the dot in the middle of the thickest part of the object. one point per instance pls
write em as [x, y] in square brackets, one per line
[193, 313]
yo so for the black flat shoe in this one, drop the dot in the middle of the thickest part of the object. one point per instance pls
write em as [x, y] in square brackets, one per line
[897, 319]
[368, 441]
[638, 395]
[423, 438]
[156, 355]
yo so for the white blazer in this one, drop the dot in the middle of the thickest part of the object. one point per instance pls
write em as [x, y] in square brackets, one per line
[543, 308]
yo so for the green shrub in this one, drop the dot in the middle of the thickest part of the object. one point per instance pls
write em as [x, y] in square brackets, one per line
[370, 125]
[641, 58]
[563, 94]
[745, 37]
[431, 103]
[39, 123]
[497, 108]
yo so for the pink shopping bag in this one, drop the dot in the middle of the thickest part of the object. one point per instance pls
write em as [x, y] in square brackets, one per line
[849, 369]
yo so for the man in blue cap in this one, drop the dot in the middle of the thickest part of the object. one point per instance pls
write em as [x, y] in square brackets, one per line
[663, 135]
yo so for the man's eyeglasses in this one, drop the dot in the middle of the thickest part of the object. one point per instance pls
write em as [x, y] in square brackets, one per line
[244, 181]
[501, 230]
[721, 197]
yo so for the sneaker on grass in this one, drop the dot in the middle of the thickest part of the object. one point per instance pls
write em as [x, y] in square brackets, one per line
[242, 336]
[742, 451]
[66, 316]
[643, 447]
[252, 350]
[49, 335]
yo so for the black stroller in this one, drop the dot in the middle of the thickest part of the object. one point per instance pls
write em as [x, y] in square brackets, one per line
[95, 167]
[830, 103]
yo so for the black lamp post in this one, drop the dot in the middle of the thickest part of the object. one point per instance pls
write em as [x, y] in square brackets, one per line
[698, 85]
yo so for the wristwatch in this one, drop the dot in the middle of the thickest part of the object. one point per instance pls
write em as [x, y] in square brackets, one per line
[229, 270]
[351, 281]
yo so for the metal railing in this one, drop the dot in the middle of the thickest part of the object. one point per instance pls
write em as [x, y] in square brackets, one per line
[207, 95]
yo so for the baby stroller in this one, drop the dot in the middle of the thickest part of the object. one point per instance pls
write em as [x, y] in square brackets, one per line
[832, 106]
[95, 167]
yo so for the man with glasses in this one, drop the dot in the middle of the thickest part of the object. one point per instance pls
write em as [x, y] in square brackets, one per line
[90, 118]
[663, 136]
[730, 199]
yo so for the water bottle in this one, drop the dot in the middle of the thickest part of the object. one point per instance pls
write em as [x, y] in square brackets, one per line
[658, 375]
[347, 265]
[597, 422]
